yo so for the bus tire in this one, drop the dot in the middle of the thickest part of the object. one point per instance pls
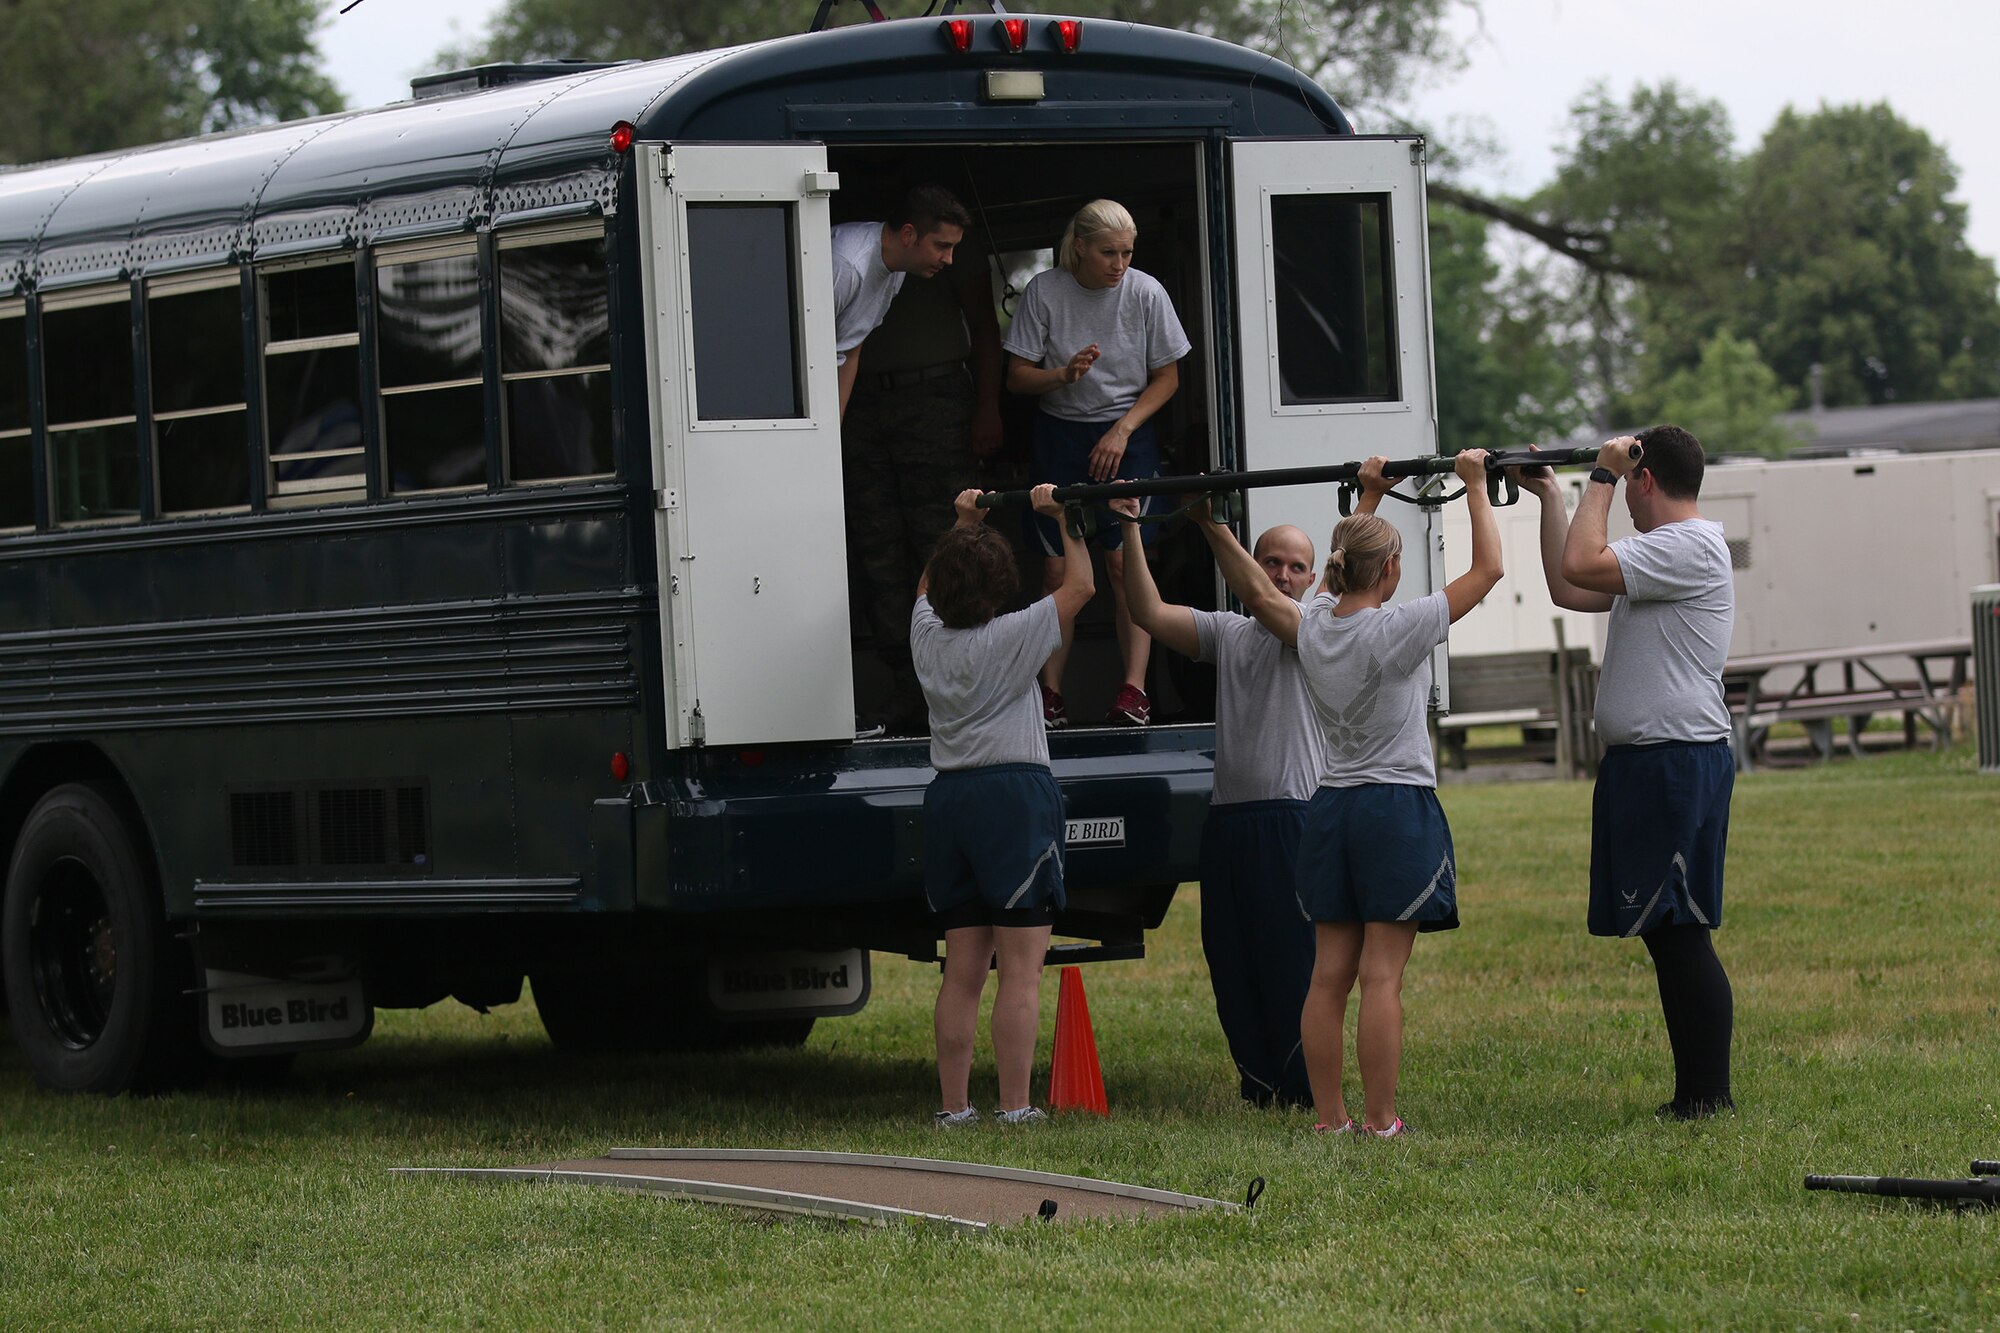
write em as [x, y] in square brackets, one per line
[94, 977]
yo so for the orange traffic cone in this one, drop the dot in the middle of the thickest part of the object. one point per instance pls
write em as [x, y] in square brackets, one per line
[1075, 1081]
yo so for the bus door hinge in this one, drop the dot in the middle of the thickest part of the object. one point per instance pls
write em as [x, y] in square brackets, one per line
[667, 165]
[666, 499]
[1417, 153]
[697, 727]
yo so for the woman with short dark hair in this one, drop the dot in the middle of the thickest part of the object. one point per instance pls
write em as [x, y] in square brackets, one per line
[993, 815]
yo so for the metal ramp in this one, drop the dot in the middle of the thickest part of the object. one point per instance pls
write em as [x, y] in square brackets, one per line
[861, 1187]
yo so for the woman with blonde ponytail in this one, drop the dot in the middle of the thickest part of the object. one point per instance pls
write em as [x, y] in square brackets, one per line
[1099, 344]
[1375, 862]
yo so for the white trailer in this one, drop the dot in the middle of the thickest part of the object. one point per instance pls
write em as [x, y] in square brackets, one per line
[1828, 553]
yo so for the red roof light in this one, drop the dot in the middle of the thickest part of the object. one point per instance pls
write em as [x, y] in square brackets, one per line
[1017, 33]
[622, 135]
[958, 32]
[1069, 32]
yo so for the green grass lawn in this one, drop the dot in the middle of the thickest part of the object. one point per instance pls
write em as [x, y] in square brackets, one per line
[1863, 938]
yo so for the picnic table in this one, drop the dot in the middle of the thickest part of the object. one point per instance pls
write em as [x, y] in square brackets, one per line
[1862, 690]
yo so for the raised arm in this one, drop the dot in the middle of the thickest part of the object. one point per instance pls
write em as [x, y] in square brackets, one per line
[1465, 592]
[969, 515]
[1588, 562]
[1554, 533]
[1079, 585]
[1168, 622]
[1252, 586]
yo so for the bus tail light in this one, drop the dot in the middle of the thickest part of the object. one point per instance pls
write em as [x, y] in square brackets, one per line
[621, 767]
[622, 135]
[1069, 33]
[1016, 31]
[957, 32]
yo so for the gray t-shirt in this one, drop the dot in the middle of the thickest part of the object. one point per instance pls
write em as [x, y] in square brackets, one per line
[1369, 677]
[980, 685]
[863, 286]
[1268, 743]
[1132, 322]
[1668, 637]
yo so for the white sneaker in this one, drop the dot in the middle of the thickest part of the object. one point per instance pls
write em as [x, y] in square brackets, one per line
[963, 1116]
[1026, 1115]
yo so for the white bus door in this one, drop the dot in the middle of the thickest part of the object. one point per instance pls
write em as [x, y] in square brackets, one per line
[746, 442]
[1333, 328]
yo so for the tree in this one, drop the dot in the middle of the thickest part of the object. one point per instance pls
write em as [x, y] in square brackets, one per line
[1730, 400]
[85, 76]
[1504, 377]
[1363, 50]
[1854, 258]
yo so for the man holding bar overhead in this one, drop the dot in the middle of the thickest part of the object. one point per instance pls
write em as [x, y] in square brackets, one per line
[1660, 814]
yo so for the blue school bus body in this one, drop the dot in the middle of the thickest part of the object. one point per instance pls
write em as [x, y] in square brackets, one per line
[469, 662]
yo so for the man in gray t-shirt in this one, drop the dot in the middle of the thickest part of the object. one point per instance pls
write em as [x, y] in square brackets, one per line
[1269, 756]
[1660, 817]
[870, 260]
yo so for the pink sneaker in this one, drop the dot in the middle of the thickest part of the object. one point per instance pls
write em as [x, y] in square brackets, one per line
[1395, 1131]
[1131, 708]
[1054, 714]
[1350, 1128]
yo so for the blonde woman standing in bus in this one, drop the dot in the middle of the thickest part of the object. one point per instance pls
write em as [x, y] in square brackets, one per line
[1375, 861]
[1099, 343]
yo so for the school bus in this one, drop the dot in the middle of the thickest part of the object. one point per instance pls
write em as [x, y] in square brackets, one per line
[421, 554]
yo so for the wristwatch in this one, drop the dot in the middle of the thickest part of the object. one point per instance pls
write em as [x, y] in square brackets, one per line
[1605, 475]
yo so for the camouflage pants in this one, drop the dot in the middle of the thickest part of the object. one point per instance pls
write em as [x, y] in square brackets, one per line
[905, 454]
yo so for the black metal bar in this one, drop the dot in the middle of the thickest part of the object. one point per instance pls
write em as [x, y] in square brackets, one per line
[1982, 1167]
[1978, 1190]
[1216, 482]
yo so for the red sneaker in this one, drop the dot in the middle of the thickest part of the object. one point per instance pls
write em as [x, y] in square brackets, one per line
[1053, 713]
[1131, 708]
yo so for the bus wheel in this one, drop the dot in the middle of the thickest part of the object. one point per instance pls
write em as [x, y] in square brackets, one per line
[591, 1012]
[92, 986]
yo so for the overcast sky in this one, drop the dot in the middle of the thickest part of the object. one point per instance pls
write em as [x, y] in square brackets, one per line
[1929, 59]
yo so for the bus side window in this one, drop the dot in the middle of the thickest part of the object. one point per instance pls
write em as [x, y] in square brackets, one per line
[1334, 293]
[312, 383]
[87, 385]
[200, 417]
[555, 354]
[429, 349]
[17, 445]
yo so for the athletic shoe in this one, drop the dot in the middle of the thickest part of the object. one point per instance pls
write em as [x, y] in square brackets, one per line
[1054, 714]
[1349, 1128]
[1131, 708]
[965, 1115]
[1026, 1115]
[1699, 1109]
[1395, 1131]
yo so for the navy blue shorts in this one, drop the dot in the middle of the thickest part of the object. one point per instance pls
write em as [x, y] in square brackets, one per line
[993, 846]
[1380, 852]
[1659, 821]
[1062, 457]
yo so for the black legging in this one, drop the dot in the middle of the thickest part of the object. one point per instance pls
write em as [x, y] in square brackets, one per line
[1700, 1012]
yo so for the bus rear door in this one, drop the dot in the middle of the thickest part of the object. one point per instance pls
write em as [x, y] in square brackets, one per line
[738, 272]
[1333, 325]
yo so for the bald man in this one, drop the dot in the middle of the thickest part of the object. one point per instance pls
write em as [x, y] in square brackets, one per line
[1269, 754]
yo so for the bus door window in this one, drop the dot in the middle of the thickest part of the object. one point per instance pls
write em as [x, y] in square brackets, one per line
[312, 383]
[17, 444]
[743, 283]
[555, 354]
[200, 414]
[429, 349]
[1333, 294]
[93, 425]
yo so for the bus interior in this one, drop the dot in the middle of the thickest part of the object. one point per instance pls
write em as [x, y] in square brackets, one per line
[1021, 196]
